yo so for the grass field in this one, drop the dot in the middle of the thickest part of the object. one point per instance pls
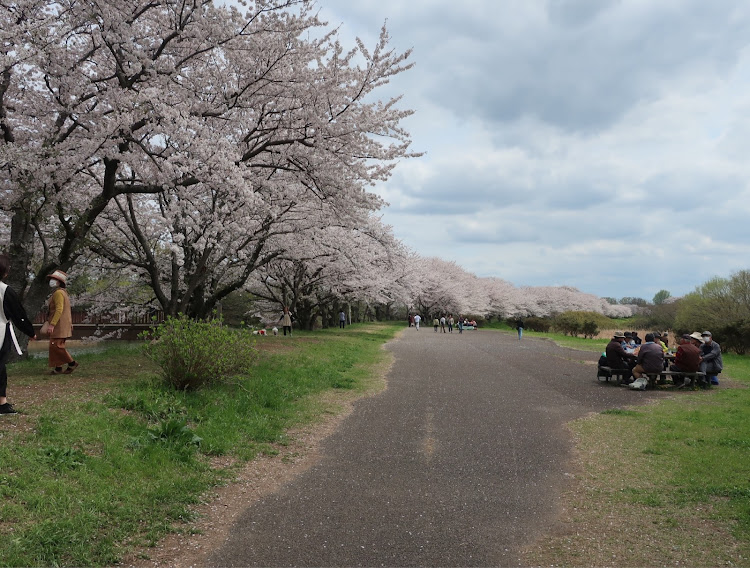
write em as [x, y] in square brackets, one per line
[107, 459]
[667, 484]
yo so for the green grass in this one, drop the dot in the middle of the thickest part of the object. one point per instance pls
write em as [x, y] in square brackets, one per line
[86, 477]
[684, 465]
[561, 339]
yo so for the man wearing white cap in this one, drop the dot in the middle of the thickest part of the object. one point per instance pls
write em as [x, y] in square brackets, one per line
[712, 363]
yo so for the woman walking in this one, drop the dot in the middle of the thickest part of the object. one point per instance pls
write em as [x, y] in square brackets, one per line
[286, 320]
[11, 310]
[60, 325]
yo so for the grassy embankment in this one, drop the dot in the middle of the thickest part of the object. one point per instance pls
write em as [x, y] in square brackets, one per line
[662, 484]
[106, 459]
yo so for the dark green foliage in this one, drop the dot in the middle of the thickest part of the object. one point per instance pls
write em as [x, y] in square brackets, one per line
[661, 296]
[721, 305]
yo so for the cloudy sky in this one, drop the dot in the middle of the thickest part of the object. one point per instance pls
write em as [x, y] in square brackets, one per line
[600, 144]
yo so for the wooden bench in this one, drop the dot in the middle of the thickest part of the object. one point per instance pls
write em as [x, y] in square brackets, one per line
[693, 378]
[608, 372]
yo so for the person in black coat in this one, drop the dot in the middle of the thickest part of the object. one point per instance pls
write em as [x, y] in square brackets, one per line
[12, 311]
[618, 358]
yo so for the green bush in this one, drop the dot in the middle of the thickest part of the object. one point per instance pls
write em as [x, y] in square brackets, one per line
[531, 323]
[579, 323]
[192, 354]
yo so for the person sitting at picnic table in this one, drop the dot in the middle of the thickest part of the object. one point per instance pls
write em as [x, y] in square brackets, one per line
[628, 345]
[661, 339]
[711, 363]
[617, 357]
[636, 339]
[650, 358]
[688, 356]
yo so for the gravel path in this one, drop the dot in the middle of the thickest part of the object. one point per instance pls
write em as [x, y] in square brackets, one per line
[458, 463]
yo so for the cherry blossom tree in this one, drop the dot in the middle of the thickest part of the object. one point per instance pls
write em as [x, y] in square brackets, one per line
[336, 264]
[182, 140]
[442, 287]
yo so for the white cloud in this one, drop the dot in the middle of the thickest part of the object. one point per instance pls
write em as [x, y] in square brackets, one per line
[592, 143]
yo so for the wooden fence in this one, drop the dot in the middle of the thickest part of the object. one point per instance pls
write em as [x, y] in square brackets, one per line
[114, 325]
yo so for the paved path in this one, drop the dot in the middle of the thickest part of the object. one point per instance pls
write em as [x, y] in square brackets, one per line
[458, 463]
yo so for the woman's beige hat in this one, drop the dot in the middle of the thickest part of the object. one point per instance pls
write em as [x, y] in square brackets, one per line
[59, 275]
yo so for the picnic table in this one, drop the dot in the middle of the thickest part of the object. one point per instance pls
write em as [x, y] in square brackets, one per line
[693, 379]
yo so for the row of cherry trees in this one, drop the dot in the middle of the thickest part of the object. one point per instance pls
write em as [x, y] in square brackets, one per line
[186, 145]
[172, 152]
[442, 287]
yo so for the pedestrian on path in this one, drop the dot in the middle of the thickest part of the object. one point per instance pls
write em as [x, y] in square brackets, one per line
[519, 327]
[342, 319]
[417, 319]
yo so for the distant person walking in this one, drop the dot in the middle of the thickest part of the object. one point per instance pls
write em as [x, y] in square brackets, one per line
[417, 319]
[435, 323]
[450, 323]
[342, 319]
[60, 325]
[460, 324]
[519, 327]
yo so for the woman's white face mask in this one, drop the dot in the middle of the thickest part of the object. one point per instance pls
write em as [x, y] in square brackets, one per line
[53, 283]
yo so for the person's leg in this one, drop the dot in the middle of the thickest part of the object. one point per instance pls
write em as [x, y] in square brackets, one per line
[4, 354]
[58, 355]
[638, 371]
[3, 382]
[676, 379]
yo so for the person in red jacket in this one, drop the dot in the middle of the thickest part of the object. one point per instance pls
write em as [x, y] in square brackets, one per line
[688, 356]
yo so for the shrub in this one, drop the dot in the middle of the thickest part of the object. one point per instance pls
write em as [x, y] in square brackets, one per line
[532, 324]
[580, 323]
[192, 354]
